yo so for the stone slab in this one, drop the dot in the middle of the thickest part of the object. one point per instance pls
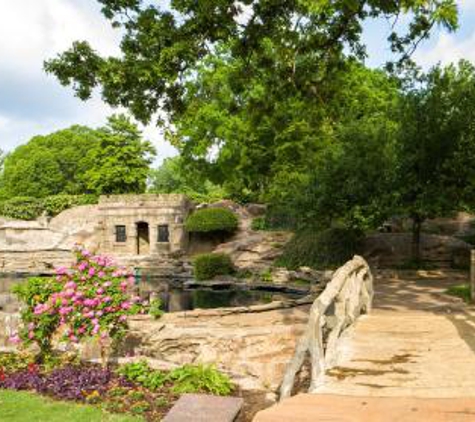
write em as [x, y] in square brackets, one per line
[333, 408]
[204, 408]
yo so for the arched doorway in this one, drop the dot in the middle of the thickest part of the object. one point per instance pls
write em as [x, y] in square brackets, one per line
[143, 238]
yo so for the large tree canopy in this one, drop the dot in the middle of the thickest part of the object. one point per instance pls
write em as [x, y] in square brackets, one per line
[121, 161]
[113, 159]
[247, 88]
[49, 165]
[164, 42]
[436, 147]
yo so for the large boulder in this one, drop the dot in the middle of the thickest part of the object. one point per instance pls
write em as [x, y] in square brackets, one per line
[254, 347]
[394, 249]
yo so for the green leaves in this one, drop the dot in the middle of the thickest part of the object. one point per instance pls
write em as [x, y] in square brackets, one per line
[78, 160]
[209, 220]
[121, 160]
[437, 143]
[163, 47]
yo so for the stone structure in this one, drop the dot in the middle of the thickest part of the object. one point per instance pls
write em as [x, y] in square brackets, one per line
[138, 229]
[142, 224]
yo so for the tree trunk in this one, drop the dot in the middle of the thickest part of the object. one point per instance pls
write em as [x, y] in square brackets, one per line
[416, 238]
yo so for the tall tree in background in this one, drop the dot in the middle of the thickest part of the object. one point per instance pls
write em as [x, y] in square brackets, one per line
[78, 160]
[173, 176]
[436, 148]
[121, 160]
[50, 164]
[258, 74]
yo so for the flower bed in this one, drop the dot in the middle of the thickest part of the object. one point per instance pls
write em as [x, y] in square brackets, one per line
[132, 388]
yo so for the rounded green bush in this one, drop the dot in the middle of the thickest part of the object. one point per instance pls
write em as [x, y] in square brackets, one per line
[209, 265]
[320, 250]
[21, 208]
[212, 220]
[54, 205]
[25, 208]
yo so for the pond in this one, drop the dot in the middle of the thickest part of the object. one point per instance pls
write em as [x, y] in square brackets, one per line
[176, 297]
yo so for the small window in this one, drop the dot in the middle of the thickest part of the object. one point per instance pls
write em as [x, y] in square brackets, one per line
[120, 234]
[163, 233]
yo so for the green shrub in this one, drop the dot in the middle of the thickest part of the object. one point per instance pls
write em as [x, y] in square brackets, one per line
[207, 266]
[462, 291]
[200, 379]
[33, 293]
[320, 250]
[155, 309]
[21, 208]
[212, 220]
[259, 223]
[141, 373]
[25, 208]
[53, 205]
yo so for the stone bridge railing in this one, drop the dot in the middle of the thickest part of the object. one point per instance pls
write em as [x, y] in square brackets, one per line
[349, 294]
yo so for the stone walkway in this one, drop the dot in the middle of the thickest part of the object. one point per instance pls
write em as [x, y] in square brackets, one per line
[417, 343]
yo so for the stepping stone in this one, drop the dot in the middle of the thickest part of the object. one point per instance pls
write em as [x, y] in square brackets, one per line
[203, 408]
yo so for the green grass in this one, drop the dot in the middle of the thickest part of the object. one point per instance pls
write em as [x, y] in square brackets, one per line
[18, 406]
[462, 291]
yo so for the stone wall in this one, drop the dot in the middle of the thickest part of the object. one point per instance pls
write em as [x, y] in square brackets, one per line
[394, 249]
[152, 210]
[36, 247]
[253, 346]
[34, 262]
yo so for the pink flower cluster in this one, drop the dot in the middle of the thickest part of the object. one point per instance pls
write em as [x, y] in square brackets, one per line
[95, 299]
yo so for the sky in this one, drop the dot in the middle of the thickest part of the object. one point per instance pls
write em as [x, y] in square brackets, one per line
[34, 103]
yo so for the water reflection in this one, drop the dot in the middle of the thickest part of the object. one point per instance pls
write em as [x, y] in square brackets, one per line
[174, 297]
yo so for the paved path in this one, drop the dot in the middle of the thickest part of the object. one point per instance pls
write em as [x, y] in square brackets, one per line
[417, 343]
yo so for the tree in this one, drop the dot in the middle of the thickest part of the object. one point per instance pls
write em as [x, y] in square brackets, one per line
[2, 160]
[174, 177]
[50, 164]
[79, 160]
[121, 160]
[244, 85]
[347, 181]
[436, 148]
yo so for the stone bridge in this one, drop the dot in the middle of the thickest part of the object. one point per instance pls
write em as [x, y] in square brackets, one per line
[411, 359]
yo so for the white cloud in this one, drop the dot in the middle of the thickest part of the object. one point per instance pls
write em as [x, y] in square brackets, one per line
[448, 49]
[33, 103]
[33, 30]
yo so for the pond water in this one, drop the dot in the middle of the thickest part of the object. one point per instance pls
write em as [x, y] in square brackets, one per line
[174, 297]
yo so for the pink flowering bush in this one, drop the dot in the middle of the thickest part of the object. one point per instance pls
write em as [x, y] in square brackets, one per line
[91, 299]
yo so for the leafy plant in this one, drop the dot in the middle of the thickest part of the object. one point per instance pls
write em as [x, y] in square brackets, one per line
[200, 379]
[155, 308]
[208, 266]
[462, 291]
[140, 407]
[21, 208]
[212, 220]
[71, 382]
[266, 276]
[92, 298]
[38, 327]
[141, 373]
[259, 223]
[15, 362]
[53, 205]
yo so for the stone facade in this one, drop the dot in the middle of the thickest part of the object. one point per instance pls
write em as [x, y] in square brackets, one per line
[142, 224]
[151, 229]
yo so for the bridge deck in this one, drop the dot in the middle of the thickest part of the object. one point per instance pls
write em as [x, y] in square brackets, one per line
[417, 343]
